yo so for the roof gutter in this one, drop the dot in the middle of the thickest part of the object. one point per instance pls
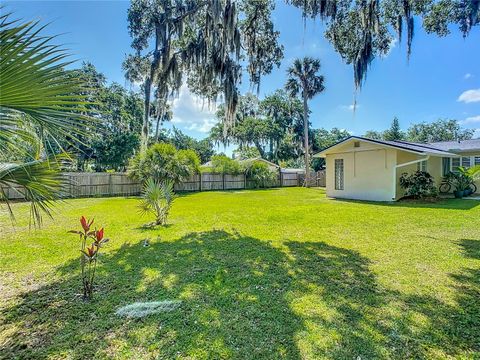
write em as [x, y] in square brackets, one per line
[403, 165]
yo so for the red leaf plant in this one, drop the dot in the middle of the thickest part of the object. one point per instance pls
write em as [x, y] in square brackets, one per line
[91, 242]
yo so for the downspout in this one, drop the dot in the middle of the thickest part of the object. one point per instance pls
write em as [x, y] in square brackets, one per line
[402, 165]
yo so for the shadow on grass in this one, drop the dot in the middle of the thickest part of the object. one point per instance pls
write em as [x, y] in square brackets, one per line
[452, 204]
[241, 298]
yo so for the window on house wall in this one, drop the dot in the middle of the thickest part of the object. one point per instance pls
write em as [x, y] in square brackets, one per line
[422, 166]
[455, 164]
[476, 160]
[466, 161]
[446, 162]
[339, 174]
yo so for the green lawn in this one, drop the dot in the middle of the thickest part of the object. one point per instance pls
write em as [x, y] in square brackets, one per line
[268, 274]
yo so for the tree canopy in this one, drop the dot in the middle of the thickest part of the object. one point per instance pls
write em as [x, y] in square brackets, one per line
[439, 130]
[209, 44]
[202, 43]
[119, 114]
[361, 31]
[274, 126]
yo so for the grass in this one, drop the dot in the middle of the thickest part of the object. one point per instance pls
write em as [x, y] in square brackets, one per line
[268, 274]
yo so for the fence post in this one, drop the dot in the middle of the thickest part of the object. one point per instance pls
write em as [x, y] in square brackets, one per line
[200, 182]
[110, 187]
[223, 180]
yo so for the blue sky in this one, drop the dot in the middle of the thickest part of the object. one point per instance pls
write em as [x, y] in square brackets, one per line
[442, 78]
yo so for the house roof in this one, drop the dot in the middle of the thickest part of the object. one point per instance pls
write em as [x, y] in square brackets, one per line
[458, 146]
[260, 159]
[421, 149]
[292, 170]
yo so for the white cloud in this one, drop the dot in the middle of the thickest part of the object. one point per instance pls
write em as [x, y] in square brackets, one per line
[470, 96]
[192, 113]
[393, 45]
[476, 134]
[467, 76]
[350, 107]
[471, 120]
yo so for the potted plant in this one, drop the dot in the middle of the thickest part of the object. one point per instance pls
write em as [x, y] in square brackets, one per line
[457, 180]
[458, 192]
[468, 177]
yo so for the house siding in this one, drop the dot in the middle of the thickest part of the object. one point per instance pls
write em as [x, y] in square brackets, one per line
[368, 172]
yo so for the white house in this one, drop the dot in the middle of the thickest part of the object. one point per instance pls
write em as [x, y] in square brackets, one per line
[366, 169]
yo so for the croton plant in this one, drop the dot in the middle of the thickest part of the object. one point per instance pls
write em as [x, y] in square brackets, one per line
[91, 242]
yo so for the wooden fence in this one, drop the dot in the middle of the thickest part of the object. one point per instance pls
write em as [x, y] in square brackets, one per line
[119, 184]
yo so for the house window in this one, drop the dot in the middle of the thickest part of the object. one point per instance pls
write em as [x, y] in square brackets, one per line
[338, 174]
[476, 160]
[446, 162]
[466, 161]
[422, 166]
[455, 164]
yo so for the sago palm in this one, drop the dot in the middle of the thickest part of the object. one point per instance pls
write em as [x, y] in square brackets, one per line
[38, 102]
[304, 81]
[157, 199]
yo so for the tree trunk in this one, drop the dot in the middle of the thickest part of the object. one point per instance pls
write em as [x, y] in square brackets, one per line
[260, 149]
[305, 138]
[148, 85]
[159, 117]
[148, 89]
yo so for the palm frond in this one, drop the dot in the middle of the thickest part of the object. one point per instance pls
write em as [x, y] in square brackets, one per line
[39, 182]
[35, 89]
[303, 78]
[36, 97]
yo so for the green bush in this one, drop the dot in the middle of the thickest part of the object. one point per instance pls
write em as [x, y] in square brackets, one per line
[222, 164]
[163, 162]
[260, 174]
[418, 185]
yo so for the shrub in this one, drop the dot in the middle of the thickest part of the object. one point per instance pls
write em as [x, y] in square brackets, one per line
[157, 199]
[419, 185]
[89, 253]
[222, 164]
[164, 162]
[467, 176]
[261, 174]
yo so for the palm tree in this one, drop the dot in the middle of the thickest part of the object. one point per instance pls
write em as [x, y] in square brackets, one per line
[38, 103]
[304, 80]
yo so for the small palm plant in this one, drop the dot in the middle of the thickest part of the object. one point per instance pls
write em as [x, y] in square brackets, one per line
[157, 199]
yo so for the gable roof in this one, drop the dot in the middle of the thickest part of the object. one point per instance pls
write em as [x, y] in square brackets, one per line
[460, 146]
[260, 159]
[420, 149]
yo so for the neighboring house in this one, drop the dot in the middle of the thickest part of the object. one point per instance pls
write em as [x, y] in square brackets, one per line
[271, 166]
[366, 169]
